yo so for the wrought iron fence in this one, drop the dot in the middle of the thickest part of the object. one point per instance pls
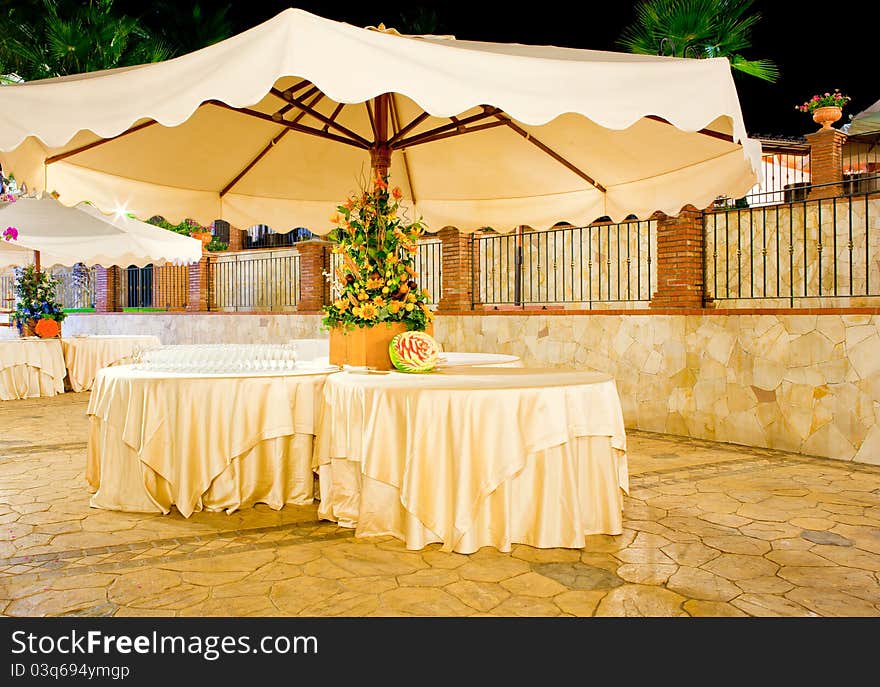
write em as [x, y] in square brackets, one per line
[808, 249]
[860, 163]
[76, 286]
[262, 236]
[154, 287]
[428, 264]
[248, 281]
[785, 170]
[599, 263]
[75, 290]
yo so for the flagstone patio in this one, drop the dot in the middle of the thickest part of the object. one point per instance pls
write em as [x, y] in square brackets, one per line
[711, 530]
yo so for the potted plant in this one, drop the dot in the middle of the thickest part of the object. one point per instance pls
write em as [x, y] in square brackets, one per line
[826, 109]
[37, 312]
[375, 280]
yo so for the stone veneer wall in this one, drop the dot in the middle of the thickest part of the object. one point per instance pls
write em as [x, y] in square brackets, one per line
[799, 382]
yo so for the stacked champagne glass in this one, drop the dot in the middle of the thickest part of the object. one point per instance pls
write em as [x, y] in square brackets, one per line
[219, 358]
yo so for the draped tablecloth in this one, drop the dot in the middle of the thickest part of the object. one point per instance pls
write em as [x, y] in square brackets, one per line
[459, 359]
[473, 457]
[30, 368]
[85, 355]
[214, 441]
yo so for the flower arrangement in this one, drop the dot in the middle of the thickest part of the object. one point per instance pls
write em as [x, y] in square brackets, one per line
[35, 297]
[836, 99]
[376, 279]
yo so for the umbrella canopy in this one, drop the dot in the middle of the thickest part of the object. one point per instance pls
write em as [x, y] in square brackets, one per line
[277, 125]
[66, 236]
[866, 121]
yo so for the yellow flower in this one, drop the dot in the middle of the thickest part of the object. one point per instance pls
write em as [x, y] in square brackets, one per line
[391, 259]
[428, 313]
[335, 218]
[374, 283]
[410, 307]
[385, 289]
[368, 311]
[362, 296]
[356, 311]
[341, 304]
[379, 302]
[410, 297]
[394, 307]
[426, 294]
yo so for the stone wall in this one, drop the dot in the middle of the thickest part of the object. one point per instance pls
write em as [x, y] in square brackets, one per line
[800, 382]
[179, 328]
[805, 383]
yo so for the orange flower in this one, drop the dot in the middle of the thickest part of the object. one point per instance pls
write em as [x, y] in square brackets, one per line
[375, 283]
[397, 193]
[379, 302]
[341, 304]
[429, 314]
[362, 296]
[335, 218]
[381, 184]
[368, 311]
[394, 307]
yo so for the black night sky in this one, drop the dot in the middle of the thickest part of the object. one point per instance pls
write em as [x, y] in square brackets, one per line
[817, 46]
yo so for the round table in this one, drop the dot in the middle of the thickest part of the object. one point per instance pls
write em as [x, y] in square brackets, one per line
[31, 367]
[473, 456]
[201, 441]
[460, 359]
[85, 355]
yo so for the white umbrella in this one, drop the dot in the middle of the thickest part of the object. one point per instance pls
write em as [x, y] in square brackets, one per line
[66, 236]
[275, 126]
[866, 121]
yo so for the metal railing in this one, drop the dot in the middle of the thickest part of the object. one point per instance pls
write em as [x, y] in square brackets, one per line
[599, 263]
[76, 286]
[860, 163]
[7, 292]
[262, 236]
[428, 261]
[785, 175]
[822, 248]
[247, 281]
[154, 287]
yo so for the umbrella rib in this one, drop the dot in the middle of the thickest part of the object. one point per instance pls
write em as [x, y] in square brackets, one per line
[296, 127]
[705, 132]
[547, 149]
[321, 118]
[372, 120]
[395, 125]
[409, 127]
[95, 144]
[271, 144]
[333, 116]
[447, 134]
[417, 138]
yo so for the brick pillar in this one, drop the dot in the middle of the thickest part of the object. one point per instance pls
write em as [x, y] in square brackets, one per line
[197, 298]
[236, 238]
[314, 260]
[679, 264]
[106, 289]
[456, 264]
[826, 162]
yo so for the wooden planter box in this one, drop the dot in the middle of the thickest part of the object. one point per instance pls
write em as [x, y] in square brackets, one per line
[366, 346]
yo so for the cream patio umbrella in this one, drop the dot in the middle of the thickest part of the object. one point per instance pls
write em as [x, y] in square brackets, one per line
[276, 126]
[58, 235]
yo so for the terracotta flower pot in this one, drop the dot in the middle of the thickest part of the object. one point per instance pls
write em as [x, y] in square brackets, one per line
[203, 236]
[826, 116]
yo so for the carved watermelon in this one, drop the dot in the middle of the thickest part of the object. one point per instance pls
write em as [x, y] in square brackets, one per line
[414, 352]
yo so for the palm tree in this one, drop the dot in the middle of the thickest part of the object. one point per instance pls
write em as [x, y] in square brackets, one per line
[70, 37]
[698, 28]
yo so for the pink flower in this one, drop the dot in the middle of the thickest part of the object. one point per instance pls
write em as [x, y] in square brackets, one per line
[11, 234]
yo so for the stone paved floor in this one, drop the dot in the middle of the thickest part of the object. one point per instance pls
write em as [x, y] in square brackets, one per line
[711, 530]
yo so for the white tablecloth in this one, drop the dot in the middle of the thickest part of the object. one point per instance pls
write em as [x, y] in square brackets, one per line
[456, 359]
[215, 442]
[473, 457]
[30, 368]
[85, 355]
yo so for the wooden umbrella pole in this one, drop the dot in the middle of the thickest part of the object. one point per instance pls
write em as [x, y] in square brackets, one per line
[37, 261]
[380, 153]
